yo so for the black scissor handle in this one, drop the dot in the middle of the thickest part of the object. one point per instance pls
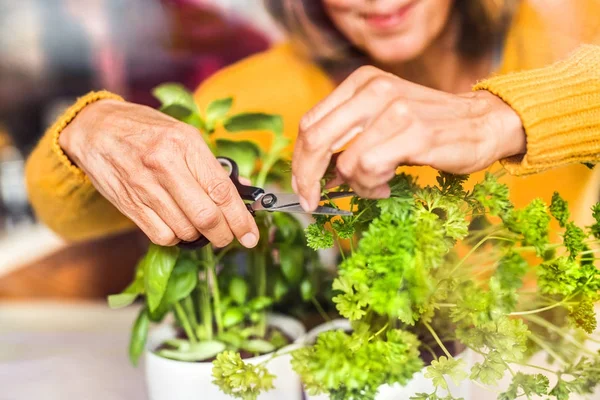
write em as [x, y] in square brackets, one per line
[248, 193]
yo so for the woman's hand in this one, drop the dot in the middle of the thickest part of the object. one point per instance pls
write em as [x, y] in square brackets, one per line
[159, 173]
[392, 122]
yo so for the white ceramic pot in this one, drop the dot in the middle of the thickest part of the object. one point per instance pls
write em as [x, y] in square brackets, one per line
[178, 380]
[418, 384]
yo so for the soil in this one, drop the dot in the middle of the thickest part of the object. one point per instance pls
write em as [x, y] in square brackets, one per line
[243, 353]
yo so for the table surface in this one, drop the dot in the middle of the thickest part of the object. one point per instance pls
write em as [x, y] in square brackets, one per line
[58, 351]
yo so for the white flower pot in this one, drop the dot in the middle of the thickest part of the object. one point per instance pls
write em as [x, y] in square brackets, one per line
[178, 380]
[418, 384]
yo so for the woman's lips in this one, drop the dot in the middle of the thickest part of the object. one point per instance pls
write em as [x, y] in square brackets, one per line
[387, 21]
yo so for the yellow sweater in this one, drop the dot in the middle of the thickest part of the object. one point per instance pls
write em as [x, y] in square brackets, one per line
[557, 98]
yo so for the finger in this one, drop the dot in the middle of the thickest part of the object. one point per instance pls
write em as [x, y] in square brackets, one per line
[154, 227]
[393, 121]
[380, 192]
[161, 202]
[124, 199]
[217, 185]
[315, 145]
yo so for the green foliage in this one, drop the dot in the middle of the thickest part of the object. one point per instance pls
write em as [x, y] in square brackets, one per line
[559, 209]
[407, 270]
[573, 239]
[318, 237]
[595, 228]
[493, 196]
[336, 364]
[139, 333]
[444, 366]
[532, 223]
[583, 315]
[526, 385]
[157, 264]
[239, 379]
[131, 292]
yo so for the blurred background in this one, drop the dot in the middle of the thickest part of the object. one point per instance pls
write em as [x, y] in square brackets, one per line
[52, 293]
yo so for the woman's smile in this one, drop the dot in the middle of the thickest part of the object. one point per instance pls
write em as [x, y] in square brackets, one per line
[388, 21]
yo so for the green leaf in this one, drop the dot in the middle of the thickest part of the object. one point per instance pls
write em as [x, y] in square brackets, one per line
[529, 385]
[287, 228]
[254, 122]
[244, 153]
[490, 371]
[260, 303]
[195, 352]
[238, 290]
[121, 300]
[239, 379]
[232, 338]
[452, 367]
[176, 111]
[182, 282]
[280, 288]
[317, 237]
[131, 292]
[158, 264]
[291, 259]
[258, 346]
[170, 94]
[307, 290]
[217, 110]
[559, 209]
[139, 334]
[233, 316]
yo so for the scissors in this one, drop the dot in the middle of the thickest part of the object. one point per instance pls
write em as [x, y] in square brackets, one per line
[263, 201]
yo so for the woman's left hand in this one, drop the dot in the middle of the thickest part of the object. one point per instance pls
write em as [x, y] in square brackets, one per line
[392, 122]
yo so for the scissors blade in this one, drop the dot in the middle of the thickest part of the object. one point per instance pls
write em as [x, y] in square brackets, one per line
[320, 210]
[290, 202]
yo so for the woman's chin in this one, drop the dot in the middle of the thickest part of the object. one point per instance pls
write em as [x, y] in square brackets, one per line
[393, 52]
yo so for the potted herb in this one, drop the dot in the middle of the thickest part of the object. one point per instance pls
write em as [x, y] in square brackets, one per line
[212, 305]
[437, 269]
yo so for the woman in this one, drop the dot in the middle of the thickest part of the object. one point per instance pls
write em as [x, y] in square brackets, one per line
[108, 164]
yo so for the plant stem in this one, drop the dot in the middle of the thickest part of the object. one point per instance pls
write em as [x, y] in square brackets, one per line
[212, 276]
[379, 331]
[437, 339]
[320, 309]
[205, 309]
[260, 271]
[546, 348]
[430, 350]
[538, 310]
[185, 323]
[479, 244]
[445, 305]
[188, 307]
[549, 326]
[538, 367]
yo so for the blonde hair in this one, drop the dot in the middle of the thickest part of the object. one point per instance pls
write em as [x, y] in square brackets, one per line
[309, 27]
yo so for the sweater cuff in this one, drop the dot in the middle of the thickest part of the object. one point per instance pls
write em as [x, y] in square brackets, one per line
[64, 120]
[559, 106]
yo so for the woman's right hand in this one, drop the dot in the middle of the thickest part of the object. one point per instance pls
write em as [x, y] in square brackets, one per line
[159, 173]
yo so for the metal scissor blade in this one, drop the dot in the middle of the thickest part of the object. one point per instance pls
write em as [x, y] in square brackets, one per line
[336, 195]
[321, 210]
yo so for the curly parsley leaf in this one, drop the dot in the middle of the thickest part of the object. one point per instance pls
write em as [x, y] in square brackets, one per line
[239, 379]
[559, 209]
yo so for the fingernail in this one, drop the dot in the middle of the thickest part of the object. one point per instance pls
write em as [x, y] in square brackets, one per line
[304, 204]
[294, 184]
[249, 240]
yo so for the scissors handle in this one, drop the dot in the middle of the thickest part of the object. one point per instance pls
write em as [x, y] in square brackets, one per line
[249, 193]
